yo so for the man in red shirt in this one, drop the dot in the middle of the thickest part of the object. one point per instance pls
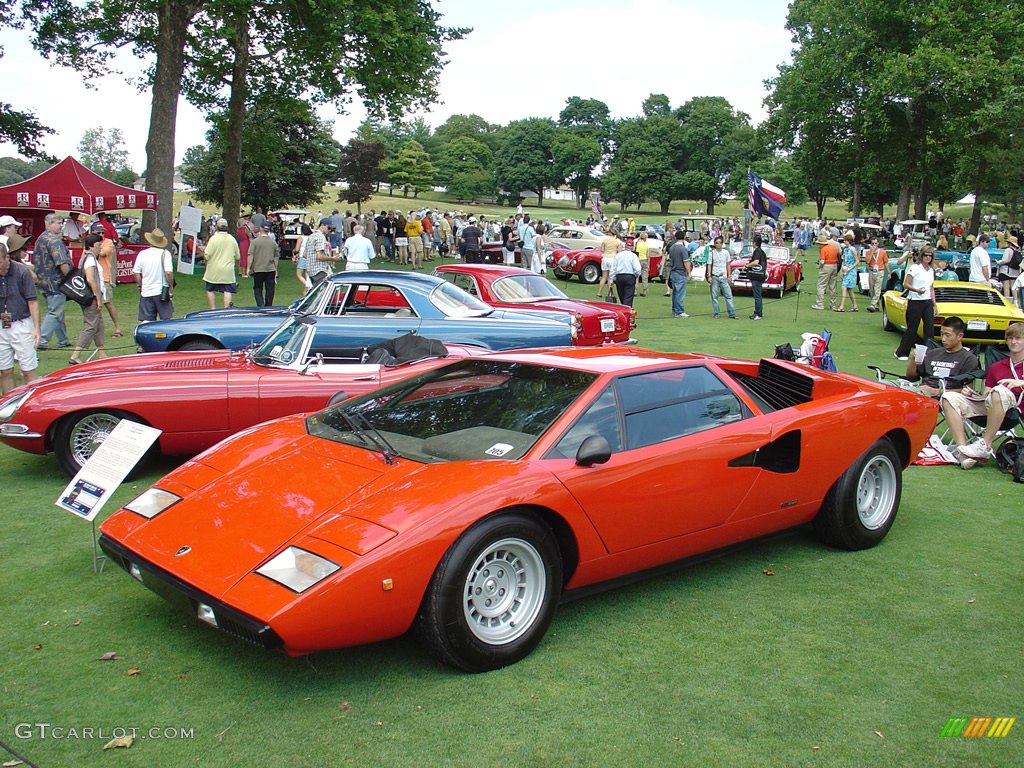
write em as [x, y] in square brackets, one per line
[109, 230]
[878, 270]
[828, 270]
[1004, 389]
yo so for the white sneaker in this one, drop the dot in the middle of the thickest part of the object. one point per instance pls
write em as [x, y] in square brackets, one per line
[681, 314]
[966, 463]
[979, 449]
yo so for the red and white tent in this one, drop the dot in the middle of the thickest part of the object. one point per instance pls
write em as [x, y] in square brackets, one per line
[70, 186]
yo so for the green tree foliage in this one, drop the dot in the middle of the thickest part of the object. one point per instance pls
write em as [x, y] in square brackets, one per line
[360, 168]
[466, 169]
[289, 156]
[882, 95]
[588, 117]
[14, 169]
[102, 150]
[576, 157]
[526, 159]
[411, 169]
[718, 144]
[656, 104]
[469, 126]
[645, 163]
[388, 53]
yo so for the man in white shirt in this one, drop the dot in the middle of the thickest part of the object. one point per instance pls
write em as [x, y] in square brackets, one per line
[153, 270]
[72, 228]
[358, 250]
[981, 264]
[718, 276]
[625, 269]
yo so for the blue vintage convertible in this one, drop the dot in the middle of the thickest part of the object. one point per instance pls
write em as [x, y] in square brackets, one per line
[359, 308]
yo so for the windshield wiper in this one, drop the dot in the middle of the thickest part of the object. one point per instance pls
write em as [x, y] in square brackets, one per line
[366, 432]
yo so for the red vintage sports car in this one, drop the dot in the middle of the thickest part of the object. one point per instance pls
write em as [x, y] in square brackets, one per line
[586, 265]
[784, 272]
[199, 398]
[513, 288]
[466, 501]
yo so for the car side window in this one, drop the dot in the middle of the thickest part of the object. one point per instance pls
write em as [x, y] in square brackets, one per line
[379, 300]
[601, 418]
[335, 301]
[466, 283]
[664, 405]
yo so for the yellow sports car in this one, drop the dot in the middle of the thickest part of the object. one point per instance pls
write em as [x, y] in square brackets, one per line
[985, 310]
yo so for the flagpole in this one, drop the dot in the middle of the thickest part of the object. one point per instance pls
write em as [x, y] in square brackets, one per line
[747, 213]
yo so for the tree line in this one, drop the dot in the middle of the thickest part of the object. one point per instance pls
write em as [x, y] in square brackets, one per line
[901, 102]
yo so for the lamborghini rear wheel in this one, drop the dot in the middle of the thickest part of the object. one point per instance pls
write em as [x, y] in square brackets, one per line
[860, 507]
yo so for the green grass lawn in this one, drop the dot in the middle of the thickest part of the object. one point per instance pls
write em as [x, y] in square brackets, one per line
[836, 659]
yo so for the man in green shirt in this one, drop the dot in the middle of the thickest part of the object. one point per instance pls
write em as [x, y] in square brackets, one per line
[221, 256]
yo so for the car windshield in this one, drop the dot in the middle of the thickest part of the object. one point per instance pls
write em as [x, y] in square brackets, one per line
[285, 344]
[524, 288]
[305, 304]
[455, 302]
[467, 411]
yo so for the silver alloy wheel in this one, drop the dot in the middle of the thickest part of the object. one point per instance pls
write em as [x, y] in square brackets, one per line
[876, 492]
[504, 591]
[88, 432]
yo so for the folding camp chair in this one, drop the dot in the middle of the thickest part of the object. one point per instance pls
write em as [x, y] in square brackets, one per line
[1013, 422]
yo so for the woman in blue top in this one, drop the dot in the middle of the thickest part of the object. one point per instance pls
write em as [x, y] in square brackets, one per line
[851, 260]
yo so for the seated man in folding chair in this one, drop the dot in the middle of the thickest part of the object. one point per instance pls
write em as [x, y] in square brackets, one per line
[1004, 388]
[948, 367]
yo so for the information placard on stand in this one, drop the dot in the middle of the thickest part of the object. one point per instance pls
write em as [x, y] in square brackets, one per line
[105, 470]
[190, 222]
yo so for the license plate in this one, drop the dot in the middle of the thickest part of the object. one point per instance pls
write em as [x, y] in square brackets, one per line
[607, 324]
[977, 325]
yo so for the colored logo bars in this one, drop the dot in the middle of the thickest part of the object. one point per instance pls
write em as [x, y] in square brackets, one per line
[974, 727]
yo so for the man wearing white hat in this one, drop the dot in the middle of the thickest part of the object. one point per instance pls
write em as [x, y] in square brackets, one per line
[8, 226]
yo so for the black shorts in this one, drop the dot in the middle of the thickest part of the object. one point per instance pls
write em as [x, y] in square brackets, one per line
[222, 287]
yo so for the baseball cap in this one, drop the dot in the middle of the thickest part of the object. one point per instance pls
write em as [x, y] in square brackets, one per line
[326, 222]
[6, 221]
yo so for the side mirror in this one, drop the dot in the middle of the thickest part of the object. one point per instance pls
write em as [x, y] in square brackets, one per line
[593, 450]
[338, 397]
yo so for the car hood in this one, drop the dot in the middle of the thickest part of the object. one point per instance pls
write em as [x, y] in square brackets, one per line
[240, 507]
[156, 361]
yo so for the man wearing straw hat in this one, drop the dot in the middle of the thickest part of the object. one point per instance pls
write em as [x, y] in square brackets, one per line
[153, 271]
[1008, 267]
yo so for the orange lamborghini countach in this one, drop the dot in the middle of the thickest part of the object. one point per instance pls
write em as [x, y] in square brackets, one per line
[465, 502]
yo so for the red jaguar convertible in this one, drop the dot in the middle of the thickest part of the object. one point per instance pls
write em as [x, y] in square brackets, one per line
[466, 501]
[515, 288]
[198, 398]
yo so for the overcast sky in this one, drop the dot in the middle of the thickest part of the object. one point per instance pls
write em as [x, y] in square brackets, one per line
[505, 69]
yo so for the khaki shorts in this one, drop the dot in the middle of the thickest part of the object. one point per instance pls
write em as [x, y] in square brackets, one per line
[19, 343]
[969, 408]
